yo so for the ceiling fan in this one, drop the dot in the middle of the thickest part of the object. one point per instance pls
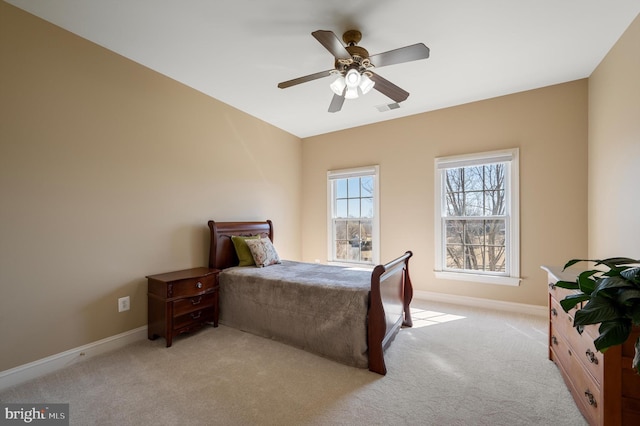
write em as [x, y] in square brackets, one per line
[353, 68]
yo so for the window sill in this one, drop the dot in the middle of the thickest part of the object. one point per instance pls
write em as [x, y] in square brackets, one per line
[478, 278]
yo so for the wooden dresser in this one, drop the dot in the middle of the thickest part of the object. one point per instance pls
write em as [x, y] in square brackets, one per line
[604, 386]
[182, 301]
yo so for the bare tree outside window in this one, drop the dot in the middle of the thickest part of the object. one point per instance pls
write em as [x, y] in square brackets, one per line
[475, 220]
[353, 218]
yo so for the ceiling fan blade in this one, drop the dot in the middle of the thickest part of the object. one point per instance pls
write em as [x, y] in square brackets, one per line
[336, 103]
[332, 43]
[304, 79]
[389, 89]
[398, 56]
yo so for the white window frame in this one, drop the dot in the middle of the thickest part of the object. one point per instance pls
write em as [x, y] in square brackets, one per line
[510, 157]
[332, 175]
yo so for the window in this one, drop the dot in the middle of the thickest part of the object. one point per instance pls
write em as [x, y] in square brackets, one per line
[353, 215]
[477, 220]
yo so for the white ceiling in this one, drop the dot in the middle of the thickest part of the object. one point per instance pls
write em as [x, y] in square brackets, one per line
[237, 51]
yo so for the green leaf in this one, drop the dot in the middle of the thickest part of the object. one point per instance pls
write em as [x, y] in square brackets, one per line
[572, 300]
[632, 274]
[597, 310]
[574, 261]
[628, 297]
[614, 332]
[614, 283]
[613, 262]
[585, 282]
[571, 285]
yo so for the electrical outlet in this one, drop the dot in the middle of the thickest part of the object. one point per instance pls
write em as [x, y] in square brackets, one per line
[123, 304]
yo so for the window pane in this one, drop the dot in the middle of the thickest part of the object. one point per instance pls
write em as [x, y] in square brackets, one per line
[366, 207]
[341, 188]
[342, 249]
[494, 203]
[455, 232]
[476, 244]
[341, 208]
[473, 178]
[341, 230]
[454, 180]
[354, 207]
[353, 232]
[455, 204]
[474, 203]
[354, 187]
[455, 257]
[366, 230]
[366, 185]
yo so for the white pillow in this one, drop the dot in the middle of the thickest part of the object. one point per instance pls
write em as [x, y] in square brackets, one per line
[263, 252]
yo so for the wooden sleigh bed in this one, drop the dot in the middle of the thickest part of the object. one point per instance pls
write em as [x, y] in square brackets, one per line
[344, 314]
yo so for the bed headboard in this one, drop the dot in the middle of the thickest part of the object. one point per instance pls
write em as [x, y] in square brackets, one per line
[222, 253]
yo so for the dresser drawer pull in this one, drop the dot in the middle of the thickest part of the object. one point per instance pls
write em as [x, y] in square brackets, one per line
[196, 301]
[196, 315]
[554, 340]
[554, 312]
[198, 284]
[590, 398]
[592, 357]
[552, 286]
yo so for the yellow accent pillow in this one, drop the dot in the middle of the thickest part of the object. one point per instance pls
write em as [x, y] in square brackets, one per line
[242, 249]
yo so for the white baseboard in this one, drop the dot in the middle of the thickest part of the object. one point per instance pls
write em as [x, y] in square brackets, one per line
[35, 369]
[498, 305]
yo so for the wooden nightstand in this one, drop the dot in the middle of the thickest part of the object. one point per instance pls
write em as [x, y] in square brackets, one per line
[182, 301]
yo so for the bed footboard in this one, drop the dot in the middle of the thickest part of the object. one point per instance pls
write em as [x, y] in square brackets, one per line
[390, 297]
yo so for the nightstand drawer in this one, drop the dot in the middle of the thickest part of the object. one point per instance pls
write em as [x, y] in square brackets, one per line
[192, 286]
[190, 304]
[194, 318]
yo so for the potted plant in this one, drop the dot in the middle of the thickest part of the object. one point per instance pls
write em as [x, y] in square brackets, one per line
[613, 301]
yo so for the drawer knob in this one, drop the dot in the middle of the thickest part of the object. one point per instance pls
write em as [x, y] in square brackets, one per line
[591, 357]
[199, 284]
[196, 301]
[590, 398]
[554, 340]
[552, 286]
[554, 312]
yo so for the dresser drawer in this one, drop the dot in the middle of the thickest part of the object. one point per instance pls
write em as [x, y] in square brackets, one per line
[561, 320]
[191, 286]
[194, 303]
[585, 390]
[582, 345]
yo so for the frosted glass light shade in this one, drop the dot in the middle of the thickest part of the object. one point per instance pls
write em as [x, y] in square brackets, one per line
[338, 85]
[366, 84]
[352, 78]
[352, 93]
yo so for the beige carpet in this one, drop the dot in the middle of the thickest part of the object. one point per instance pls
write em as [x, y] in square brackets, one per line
[457, 366]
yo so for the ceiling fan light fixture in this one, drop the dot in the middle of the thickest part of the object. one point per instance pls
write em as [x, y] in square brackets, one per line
[338, 85]
[366, 84]
[351, 93]
[352, 78]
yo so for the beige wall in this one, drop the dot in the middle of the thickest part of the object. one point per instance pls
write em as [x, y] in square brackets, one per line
[109, 172]
[614, 150]
[549, 126]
